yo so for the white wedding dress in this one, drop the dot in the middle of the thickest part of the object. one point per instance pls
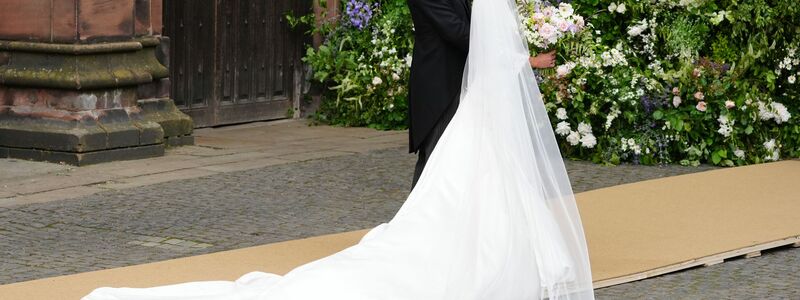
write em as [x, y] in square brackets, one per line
[492, 217]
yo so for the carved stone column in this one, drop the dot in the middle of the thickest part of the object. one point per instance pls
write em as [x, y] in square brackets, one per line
[84, 81]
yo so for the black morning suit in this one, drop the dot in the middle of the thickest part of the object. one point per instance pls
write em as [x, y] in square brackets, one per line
[441, 43]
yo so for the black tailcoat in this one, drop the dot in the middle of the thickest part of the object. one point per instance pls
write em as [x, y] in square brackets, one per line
[441, 43]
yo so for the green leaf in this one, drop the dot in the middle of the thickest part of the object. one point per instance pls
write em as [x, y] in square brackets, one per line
[715, 158]
[658, 115]
[678, 125]
[748, 130]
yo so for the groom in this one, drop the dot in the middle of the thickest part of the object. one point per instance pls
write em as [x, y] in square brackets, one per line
[441, 43]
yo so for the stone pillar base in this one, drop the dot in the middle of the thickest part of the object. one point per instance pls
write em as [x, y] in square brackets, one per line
[113, 136]
[86, 158]
[82, 104]
[177, 126]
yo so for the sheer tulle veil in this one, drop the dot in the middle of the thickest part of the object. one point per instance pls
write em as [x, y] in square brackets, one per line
[498, 75]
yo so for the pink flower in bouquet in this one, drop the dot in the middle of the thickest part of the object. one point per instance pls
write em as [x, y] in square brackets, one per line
[730, 104]
[564, 26]
[538, 17]
[701, 106]
[548, 32]
[699, 96]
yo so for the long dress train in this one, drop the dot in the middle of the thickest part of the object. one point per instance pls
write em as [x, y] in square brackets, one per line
[492, 217]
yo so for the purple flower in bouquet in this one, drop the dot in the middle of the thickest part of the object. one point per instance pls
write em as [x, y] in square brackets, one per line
[359, 13]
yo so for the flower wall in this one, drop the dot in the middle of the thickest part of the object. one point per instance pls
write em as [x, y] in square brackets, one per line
[651, 82]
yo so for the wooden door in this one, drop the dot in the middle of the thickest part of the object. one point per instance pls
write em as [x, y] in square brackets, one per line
[234, 61]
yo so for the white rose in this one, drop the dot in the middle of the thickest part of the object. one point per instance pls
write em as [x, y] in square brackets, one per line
[561, 113]
[621, 8]
[792, 79]
[395, 77]
[770, 145]
[612, 7]
[574, 138]
[584, 128]
[635, 31]
[562, 71]
[588, 141]
[565, 9]
[563, 128]
[377, 81]
[676, 101]
[739, 153]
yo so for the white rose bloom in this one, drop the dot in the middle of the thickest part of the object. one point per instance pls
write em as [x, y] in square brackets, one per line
[792, 79]
[776, 156]
[635, 31]
[574, 138]
[584, 128]
[377, 81]
[612, 7]
[739, 153]
[563, 128]
[566, 9]
[725, 130]
[395, 76]
[621, 8]
[770, 145]
[676, 101]
[781, 113]
[561, 113]
[588, 141]
[562, 71]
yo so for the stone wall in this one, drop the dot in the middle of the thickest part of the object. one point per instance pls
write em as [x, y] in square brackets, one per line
[85, 81]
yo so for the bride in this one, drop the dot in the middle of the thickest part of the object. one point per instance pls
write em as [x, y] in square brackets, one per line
[493, 215]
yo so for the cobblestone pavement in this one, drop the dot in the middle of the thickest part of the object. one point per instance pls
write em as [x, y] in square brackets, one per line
[289, 201]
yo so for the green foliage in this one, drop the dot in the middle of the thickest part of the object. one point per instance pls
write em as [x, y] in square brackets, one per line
[365, 71]
[703, 82]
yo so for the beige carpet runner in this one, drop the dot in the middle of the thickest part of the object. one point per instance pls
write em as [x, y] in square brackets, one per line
[634, 231]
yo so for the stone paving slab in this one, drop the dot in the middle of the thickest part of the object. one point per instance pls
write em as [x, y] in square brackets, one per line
[217, 150]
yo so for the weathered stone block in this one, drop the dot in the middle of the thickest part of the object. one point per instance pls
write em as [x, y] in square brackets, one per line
[142, 17]
[59, 135]
[105, 20]
[164, 112]
[87, 158]
[24, 20]
[64, 15]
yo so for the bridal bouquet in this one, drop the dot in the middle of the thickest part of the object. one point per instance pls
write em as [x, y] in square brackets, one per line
[545, 25]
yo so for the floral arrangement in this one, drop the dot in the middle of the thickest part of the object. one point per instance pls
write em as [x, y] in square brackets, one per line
[363, 65]
[645, 82]
[684, 81]
[544, 25]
